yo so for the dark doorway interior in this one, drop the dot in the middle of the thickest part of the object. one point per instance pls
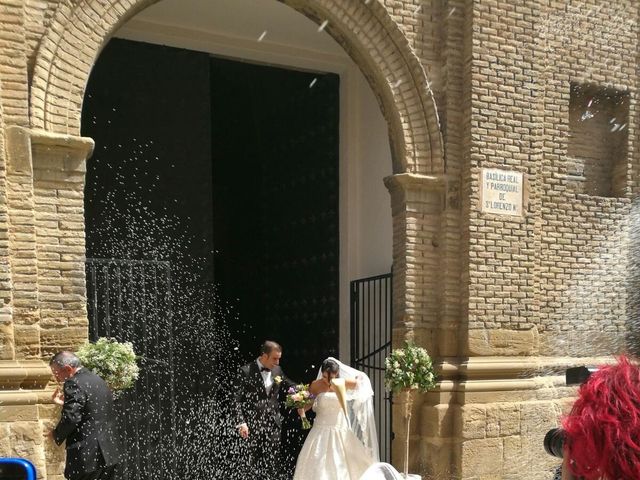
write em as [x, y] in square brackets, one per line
[148, 197]
[196, 155]
[275, 161]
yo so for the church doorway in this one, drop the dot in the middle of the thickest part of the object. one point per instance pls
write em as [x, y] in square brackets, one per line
[228, 171]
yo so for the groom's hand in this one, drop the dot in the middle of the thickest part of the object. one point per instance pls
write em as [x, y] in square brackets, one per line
[243, 430]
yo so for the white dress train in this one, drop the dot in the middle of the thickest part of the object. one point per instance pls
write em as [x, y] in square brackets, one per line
[333, 452]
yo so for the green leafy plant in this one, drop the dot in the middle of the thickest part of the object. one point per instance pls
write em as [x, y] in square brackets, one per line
[114, 361]
[409, 369]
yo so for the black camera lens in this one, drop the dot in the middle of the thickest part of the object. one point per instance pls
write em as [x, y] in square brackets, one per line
[554, 442]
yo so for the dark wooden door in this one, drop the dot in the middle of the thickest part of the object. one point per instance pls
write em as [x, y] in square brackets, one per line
[275, 150]
[148, 199]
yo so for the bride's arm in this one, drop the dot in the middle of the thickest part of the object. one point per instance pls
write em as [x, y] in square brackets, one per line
[351, 383]
[314, 390]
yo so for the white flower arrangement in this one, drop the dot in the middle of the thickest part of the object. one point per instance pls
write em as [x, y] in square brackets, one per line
[113, 361]
[409, 369]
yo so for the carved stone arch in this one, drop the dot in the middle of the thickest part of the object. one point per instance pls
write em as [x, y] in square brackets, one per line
[80, 29]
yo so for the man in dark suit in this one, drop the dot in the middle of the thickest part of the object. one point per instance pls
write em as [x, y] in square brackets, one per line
[262, 386]
[87, 422]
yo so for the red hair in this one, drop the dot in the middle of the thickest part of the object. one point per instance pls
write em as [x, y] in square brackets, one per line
[603, 428]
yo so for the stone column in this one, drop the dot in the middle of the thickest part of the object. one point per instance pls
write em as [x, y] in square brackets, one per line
[417, 202]
[59, 168]
[22, 244]
[425, 299]
[44, 310]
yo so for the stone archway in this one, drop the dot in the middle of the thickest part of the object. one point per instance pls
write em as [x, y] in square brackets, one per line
[375, 42]
[79, 30]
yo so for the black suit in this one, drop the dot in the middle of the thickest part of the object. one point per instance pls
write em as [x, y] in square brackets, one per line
[260, 410]
[88, 426]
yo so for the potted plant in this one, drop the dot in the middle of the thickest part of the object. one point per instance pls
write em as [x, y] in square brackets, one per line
[409, 369]
[113, 361]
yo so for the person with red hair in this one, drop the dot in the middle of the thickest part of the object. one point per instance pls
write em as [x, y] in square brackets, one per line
[602, 432]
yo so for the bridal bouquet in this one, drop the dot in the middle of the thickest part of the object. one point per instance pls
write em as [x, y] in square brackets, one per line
[299, 396]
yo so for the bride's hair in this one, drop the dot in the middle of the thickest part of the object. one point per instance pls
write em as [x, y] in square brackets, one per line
[330, 365]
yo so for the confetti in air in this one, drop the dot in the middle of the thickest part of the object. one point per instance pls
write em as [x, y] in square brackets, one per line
[397, 84]
[323, 25]
[451, 12]
[261, 37]
[586, 116]
[415, 12]
[313, 82]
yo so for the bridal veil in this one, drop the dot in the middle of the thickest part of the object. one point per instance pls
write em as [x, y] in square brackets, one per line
[359, 407]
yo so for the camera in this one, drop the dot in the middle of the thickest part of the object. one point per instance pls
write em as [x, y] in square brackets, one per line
[579, 375]
[554, 442]
[555, 438]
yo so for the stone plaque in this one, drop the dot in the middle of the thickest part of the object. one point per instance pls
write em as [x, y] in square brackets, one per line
[501, 192]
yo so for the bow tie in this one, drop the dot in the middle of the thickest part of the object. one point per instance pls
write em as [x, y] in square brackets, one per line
[265, 369]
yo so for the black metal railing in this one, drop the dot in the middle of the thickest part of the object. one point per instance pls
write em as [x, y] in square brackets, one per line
[371, 316]
[130, 300]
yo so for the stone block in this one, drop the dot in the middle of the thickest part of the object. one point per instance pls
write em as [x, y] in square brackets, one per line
[501, 342]
[438, 420]
[7, 345]
[475, 458]
[472, 422]
[5, 446]
[19, 413]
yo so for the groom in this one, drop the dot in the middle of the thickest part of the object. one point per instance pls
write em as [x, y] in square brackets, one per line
[262, 386]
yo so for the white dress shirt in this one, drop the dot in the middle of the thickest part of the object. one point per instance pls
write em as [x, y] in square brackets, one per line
[266, 377]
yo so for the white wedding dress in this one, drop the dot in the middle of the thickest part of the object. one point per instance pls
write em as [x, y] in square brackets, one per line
[332, 451]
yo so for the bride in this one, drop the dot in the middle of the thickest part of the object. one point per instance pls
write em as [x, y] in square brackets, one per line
[342, 445]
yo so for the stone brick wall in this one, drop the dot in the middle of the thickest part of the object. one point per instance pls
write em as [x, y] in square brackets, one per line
[503, 128]
[553, 283]
[59, 171]
[22, 244]
[37, 16]
[499, 301]
[7, 340]
[583, 258]
[407, 14]
[522, 270]
[12, 64]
